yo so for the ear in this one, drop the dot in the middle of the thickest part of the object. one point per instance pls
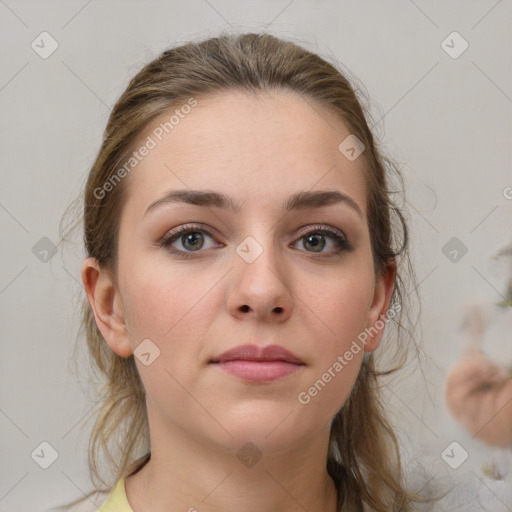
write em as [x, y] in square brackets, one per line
[377, 314]
[107, 306]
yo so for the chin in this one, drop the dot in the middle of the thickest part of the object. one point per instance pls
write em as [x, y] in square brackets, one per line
[267, 429]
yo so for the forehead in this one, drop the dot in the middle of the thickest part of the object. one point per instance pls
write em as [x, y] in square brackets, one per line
[256, 148]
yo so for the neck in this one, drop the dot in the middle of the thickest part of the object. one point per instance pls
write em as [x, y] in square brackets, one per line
[198, 475]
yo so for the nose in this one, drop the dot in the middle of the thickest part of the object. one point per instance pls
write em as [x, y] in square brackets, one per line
[260, 289]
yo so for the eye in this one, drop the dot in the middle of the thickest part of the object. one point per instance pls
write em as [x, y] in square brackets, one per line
[316, 239]
[191, 238]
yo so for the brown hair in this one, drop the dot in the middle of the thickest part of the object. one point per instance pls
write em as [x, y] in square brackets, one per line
[364, 457]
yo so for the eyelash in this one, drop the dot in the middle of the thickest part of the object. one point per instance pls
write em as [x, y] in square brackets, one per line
[339, 239]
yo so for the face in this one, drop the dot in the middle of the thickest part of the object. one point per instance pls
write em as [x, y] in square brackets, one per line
[258, 274]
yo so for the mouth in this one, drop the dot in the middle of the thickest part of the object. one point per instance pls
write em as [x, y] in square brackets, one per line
[257, 364]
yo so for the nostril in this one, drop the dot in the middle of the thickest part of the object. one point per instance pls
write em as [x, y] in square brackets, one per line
[245, 308]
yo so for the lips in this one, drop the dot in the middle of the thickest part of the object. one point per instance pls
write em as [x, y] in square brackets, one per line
[256, 364]
[257, 353]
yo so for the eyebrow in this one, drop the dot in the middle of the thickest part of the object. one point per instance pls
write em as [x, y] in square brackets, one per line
[299, 201]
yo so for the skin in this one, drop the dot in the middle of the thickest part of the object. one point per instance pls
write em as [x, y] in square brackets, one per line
[258, 149]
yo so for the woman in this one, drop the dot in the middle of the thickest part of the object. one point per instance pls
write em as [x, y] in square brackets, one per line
[244, 259]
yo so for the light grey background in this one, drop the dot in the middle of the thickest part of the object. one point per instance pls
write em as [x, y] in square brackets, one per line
[447, 120]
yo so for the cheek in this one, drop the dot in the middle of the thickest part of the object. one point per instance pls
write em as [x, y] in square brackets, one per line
[171, 307]
[341, 303]
[335, 375]
[341, 312]
[174, 308]
[173, 311]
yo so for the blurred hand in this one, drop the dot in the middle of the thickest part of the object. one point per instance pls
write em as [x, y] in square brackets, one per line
[479, 395]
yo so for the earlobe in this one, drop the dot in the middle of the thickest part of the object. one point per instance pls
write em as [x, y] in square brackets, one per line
[107, 307]
[378, 314]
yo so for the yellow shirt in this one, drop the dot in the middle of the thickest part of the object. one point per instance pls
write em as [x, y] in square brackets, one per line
[116, 501]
